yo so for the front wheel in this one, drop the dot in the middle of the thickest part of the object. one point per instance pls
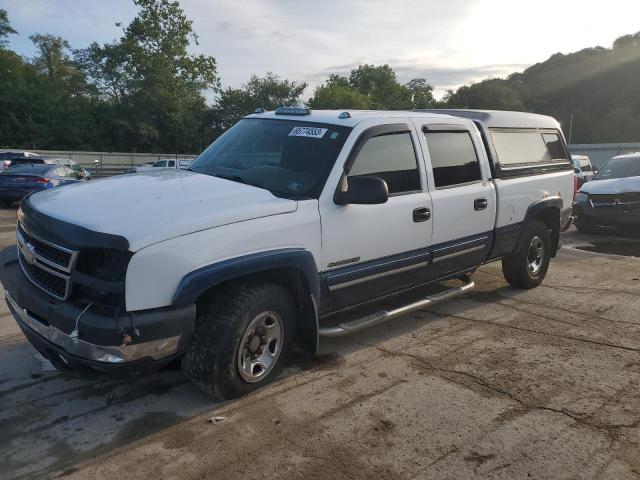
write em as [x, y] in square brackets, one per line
[527, 267]
[242, 340]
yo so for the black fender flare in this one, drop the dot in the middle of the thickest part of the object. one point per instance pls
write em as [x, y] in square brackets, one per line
[534, 209]
[195, 283]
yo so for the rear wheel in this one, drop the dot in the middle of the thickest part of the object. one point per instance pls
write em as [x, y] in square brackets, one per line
[243, 338]
[527, 267]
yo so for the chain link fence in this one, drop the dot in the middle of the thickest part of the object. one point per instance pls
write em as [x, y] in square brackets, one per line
[105, 164]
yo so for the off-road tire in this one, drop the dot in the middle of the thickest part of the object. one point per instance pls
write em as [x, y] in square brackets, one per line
[211, 362]
[516, 268]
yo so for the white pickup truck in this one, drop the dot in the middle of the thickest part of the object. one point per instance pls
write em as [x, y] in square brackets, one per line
[290, 227]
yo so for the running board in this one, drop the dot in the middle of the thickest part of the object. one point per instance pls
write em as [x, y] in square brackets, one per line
[353, 326]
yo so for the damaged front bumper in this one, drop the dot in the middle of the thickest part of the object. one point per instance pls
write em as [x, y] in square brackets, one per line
[106, 342]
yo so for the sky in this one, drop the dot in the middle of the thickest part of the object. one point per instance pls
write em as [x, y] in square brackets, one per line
[450, 43]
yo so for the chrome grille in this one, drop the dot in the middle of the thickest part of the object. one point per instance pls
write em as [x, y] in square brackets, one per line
[46, 264]
[630, 199]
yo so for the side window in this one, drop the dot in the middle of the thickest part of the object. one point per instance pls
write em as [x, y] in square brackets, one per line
[391, 158]
[453, 158]
[554, 145]
[161, 163]
[171, 163]
[515, 147]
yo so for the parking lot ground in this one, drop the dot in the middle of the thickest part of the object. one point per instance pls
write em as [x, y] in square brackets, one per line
[500, 383]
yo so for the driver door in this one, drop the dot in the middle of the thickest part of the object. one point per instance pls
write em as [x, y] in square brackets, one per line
[369, 251]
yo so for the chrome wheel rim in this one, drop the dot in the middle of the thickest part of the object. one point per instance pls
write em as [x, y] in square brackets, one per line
[260, 347]
[535, 257]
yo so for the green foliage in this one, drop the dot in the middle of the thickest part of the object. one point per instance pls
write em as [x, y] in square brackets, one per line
[598, 87]
[5, 28]
[146, 92]
[421, 93]
[493, 94]
[372, 87]
[151, 83]
[268, 92]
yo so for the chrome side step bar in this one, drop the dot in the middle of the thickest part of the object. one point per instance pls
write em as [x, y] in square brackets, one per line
[352, 326]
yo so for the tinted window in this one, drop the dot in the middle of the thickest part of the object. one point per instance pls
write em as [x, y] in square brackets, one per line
[554, 145]
[26, 161]
[9, 155]
[453, 158]
[619, 168]
[171, 163]
[286, 157]
[391, 158]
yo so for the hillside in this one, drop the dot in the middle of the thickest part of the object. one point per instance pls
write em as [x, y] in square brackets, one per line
[599, 86]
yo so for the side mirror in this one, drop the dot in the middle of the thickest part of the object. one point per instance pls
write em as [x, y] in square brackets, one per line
[362, 191]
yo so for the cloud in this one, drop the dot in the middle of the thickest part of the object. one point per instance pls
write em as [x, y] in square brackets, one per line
[448, 43]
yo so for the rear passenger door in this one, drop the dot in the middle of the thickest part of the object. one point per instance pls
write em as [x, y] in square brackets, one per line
[463, 197]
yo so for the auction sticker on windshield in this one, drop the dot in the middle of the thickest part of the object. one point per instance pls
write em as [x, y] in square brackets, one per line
[312, 132]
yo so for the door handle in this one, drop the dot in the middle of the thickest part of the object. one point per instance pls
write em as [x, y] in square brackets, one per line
[480, 204]
[421, 214]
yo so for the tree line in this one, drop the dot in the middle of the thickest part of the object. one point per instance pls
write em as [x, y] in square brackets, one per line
[145, 92]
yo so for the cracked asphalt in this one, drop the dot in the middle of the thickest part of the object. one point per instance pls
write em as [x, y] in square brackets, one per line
[500, 383]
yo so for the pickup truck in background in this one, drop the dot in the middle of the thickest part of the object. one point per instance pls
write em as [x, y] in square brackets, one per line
[164, 163]
[290, 227]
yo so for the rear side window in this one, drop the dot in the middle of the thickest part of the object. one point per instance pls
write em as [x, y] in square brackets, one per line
[391, 158]
[517, 147]
[554, 146]
[453, 158]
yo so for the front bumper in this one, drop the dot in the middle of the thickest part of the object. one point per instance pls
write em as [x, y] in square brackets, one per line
[163, 334]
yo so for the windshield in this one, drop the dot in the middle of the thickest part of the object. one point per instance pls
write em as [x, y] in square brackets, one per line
[619, 168]
[288, 158]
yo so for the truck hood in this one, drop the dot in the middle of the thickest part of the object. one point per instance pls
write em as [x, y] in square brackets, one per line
[612, 186]
[150, 207]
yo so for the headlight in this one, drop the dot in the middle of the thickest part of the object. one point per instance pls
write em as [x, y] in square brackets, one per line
[110, 265]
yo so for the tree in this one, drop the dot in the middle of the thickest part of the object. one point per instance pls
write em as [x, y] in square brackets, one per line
[337, 93]
[5, 28]
[154, 86]
[334, 96]
[421, 93]
[268, 92]
[496, 94]
[372, 87]
[381, 86]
